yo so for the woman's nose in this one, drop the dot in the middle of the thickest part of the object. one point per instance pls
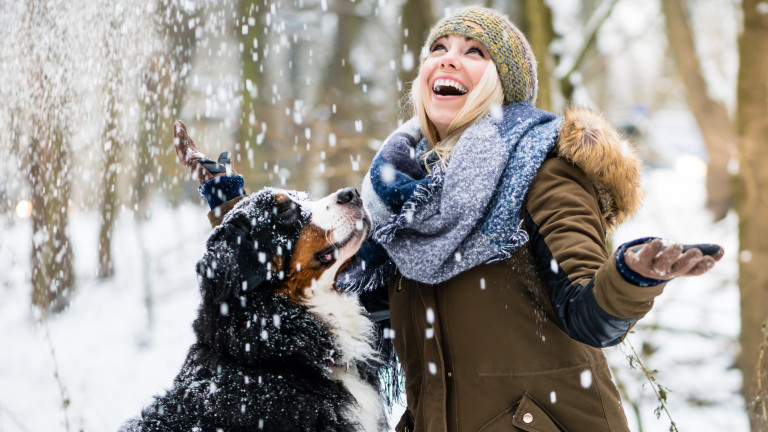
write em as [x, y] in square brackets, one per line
[450, 59]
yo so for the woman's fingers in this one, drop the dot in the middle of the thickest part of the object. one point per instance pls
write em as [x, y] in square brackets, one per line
[703, 266]
[665, 259]
[649, 251]
[686, 262]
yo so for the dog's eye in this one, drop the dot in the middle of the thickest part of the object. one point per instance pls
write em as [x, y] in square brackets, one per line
[327, 257]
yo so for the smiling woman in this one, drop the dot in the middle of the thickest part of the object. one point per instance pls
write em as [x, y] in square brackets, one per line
[495, 215]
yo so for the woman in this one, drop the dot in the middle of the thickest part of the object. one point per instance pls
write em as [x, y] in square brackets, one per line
[493, 216]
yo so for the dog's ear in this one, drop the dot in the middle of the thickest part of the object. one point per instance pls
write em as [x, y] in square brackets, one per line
[231, 263]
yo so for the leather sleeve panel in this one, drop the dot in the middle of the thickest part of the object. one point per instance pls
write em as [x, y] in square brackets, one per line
[594, 304]
[216, 215]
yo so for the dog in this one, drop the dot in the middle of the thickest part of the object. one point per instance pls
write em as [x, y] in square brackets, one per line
[278, 347]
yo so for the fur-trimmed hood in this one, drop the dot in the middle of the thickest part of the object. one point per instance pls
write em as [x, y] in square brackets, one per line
[587, 140]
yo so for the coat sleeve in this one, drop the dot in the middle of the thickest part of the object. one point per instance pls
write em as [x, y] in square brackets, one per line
[594, 296]
[222, 193]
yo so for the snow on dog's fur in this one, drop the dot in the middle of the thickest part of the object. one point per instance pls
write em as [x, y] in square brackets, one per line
[278, 347]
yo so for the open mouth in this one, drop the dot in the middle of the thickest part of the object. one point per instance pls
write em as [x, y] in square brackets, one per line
[444, 87]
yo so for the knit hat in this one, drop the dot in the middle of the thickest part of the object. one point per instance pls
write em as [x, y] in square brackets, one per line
[507, 46]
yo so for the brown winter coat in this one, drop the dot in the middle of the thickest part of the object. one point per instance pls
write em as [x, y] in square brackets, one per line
[484, 351]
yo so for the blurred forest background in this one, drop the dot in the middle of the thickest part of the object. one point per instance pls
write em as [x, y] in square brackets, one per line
[302, 92]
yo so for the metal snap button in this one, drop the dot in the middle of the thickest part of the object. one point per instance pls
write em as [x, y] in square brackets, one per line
[527, 417]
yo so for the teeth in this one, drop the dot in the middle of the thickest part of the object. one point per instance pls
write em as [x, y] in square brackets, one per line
[444, 83]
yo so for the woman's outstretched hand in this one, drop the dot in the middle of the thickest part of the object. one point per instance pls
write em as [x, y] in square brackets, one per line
[657, 260]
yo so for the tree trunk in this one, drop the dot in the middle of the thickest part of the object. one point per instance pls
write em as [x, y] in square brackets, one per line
[751, 201]
[164, 84]
[52, 276]
[712, 117]
[112, 151]
[350, 109]
[540, 33]
[109, 199]
[52, 257]
[759, 404]
[256, 112]
[417, 19]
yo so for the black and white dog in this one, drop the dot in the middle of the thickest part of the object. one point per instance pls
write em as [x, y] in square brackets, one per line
[278, 348]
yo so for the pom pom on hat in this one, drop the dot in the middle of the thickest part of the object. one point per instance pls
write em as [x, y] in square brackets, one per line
[508, 47]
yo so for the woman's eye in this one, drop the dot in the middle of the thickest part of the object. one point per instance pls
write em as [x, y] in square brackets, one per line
[439, 47]
[475, 50]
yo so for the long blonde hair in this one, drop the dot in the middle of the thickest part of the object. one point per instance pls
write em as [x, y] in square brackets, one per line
[487, 93]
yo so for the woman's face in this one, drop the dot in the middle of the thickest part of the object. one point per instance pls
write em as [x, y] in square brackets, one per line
[453, 68]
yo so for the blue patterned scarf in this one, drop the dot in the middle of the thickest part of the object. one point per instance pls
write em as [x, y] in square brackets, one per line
[436, 225]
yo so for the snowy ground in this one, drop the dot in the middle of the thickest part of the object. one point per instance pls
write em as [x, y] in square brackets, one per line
[110, 362]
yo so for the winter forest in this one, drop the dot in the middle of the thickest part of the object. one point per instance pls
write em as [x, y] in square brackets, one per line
[100, 228]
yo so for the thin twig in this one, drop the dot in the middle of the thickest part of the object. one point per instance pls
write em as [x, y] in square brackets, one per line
[13, 418]
[707, 335]
[658, 389]
[65, 401]
[607, 6]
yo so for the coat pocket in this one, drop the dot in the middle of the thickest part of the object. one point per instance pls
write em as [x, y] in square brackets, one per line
[526, 415]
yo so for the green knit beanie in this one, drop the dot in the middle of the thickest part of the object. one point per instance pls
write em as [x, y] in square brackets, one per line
[507, 45]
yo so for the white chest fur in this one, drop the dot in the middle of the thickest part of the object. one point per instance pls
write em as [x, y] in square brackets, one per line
[352, 334]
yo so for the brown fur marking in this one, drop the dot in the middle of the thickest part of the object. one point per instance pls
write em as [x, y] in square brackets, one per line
[311, 240]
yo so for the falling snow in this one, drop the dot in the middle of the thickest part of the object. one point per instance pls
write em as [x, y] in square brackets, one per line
[156, 244]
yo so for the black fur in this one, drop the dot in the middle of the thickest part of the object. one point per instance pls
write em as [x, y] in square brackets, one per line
[260, 362]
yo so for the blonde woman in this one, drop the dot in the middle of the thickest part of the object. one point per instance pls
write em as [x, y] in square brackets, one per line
[495, 216]
[489, 252]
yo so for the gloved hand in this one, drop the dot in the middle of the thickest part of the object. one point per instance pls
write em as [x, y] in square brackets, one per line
[200, 168]
[656, 260]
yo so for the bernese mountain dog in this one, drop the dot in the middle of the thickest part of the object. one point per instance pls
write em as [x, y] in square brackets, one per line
[278, 347]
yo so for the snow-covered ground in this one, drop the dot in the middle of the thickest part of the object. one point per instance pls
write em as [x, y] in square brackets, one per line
[103, 359]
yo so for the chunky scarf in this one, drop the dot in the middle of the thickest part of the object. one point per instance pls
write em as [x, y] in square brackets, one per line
[436, 225]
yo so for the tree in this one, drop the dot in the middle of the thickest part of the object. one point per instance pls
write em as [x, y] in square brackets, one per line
[111, 138]
[749, 186]
[49, 66]
[540, 33]
[711, 115]
[417, 19]
[751, 191]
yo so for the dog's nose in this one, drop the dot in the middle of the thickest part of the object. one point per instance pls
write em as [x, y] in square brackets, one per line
[348, 196]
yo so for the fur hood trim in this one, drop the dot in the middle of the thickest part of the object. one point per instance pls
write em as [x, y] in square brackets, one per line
[588, 141]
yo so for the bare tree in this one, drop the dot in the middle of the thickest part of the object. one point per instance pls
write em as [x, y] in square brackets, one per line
[47, 156]
[164, 86]
[749, 135]
[256, 119]
[751, 193]
[417, 18]
[540, 32]
[711, 115]
[112, 142]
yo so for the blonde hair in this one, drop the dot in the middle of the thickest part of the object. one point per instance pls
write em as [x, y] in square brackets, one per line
[487, 93]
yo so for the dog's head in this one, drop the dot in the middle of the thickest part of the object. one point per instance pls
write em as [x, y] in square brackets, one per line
[269, 253]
